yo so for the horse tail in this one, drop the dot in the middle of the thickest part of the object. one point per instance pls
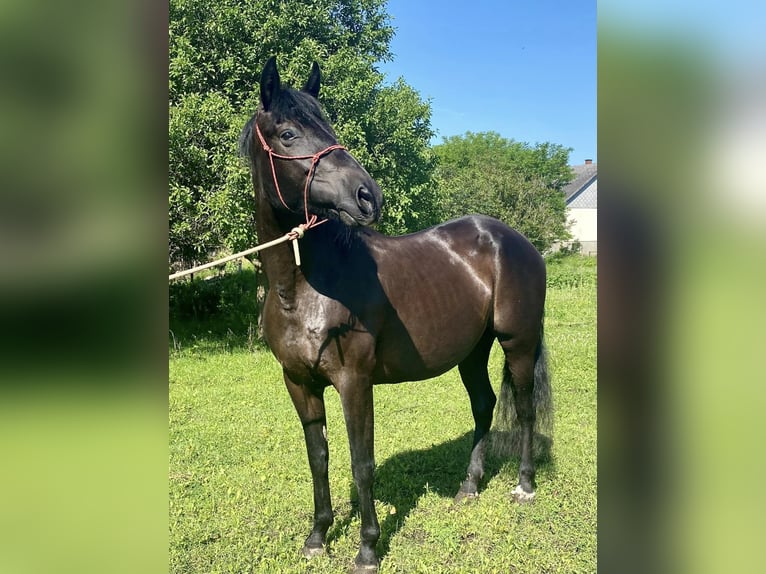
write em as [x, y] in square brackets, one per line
[543, 395]
[507, 436]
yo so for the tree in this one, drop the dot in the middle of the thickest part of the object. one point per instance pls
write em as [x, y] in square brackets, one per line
[210, 203]
[514, 182]
[217, 50]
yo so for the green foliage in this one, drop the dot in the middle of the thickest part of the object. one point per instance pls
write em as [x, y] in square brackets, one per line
[512, 181]
[240, 496]
[401, 159]
[210, 204]
[570, 271]
[223, 308]
[220, 46]
[217, 50]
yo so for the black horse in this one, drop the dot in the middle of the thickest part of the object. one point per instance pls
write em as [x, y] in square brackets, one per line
[365, 309]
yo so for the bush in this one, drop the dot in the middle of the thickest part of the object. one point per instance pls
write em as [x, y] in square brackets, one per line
[570, 270]
[224, 308]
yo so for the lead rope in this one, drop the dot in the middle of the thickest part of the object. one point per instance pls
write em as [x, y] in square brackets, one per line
[293, 235]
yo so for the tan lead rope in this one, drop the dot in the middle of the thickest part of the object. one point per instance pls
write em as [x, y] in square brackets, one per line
[293, 235]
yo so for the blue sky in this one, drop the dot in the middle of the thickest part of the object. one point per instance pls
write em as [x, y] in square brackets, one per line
[525, 69]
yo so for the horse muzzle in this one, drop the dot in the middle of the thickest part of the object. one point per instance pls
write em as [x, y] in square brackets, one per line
[366, 209]
[360, 208]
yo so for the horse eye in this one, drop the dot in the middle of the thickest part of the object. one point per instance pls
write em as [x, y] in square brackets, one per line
[287, 135]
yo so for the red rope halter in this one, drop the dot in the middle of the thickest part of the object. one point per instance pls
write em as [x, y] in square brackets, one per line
[311, 220]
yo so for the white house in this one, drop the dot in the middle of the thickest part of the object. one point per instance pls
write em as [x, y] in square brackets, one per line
[582, 206]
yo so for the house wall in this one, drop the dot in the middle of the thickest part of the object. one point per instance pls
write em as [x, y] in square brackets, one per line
[584, 227]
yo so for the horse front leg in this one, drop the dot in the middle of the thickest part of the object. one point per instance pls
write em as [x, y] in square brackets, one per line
[309, 403]
[356, 398]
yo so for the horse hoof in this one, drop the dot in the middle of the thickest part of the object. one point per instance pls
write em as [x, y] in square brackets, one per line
[310, 552]
[367, 569]
[521, 496]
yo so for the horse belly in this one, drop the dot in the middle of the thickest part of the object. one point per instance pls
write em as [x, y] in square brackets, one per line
[424, 345]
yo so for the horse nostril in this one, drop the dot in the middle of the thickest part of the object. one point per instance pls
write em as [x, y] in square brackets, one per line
[365, 200]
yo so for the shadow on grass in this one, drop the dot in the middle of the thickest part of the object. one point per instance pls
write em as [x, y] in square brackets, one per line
[212, 336]
[404, 478]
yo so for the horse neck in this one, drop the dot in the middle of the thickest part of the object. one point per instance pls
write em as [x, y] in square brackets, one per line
[278, 261]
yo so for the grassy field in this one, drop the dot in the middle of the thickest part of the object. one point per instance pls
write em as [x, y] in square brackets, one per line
[240, 487]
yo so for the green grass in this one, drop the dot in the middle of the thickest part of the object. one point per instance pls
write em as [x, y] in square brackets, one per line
[240, 487]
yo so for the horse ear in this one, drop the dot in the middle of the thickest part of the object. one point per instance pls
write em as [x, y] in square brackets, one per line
[312, 84]
[269, 82]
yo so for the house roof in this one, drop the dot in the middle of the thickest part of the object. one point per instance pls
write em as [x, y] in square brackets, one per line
[584, 184]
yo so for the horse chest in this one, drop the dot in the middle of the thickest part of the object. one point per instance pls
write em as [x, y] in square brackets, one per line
[316, 337]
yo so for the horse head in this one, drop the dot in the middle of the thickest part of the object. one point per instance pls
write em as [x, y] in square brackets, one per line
[296, 154]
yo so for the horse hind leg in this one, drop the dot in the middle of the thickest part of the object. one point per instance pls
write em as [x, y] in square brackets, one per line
[518, 374]
[473, 372]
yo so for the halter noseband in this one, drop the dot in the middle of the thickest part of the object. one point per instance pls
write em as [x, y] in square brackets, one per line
[311, 220]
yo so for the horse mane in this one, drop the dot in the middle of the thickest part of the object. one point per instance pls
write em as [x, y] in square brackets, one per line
[246, 137]
[290, 103]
